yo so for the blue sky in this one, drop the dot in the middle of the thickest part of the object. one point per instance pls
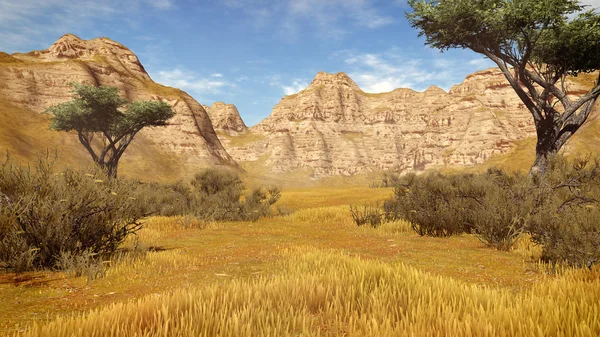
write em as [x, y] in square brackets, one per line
[248, 52]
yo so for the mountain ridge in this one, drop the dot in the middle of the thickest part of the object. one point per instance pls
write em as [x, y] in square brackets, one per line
[41, 79]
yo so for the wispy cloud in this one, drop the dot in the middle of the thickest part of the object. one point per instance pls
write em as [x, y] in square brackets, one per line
[388, 71]
[161, 4]
[287, 88]
[295, 87]
[52, 18]
[196, 85]
[217, 75]
[328, 18]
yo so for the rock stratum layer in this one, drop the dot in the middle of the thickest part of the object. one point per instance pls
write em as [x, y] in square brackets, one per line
[226, 118]
[36, 80]
[334, 128]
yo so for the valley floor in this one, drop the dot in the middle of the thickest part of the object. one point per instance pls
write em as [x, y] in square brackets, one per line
[313, 272]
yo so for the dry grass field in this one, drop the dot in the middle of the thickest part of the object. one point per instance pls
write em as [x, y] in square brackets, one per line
[309, 273]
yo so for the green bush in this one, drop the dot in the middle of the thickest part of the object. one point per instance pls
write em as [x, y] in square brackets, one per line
[45, 214]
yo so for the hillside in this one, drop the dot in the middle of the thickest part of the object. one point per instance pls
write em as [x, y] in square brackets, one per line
[31, 82]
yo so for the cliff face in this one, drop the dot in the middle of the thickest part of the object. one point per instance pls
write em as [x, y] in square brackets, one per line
[334, 128]
[39, 79]
[226, 118]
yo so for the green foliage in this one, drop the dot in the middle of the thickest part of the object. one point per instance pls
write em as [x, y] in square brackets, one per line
[534, 44]
[97, 112]
[45, 215]
[505, 27]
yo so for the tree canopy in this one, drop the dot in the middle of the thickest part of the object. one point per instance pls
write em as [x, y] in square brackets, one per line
[100, 112]
[536, 44]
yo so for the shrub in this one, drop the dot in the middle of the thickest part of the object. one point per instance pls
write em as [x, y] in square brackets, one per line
[498, 206]
[45, 215]
[430, 204]
[218, 195]
[558, 209]
[371, 215]
[565, 218]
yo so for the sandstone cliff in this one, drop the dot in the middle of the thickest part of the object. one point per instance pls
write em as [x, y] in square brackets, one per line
[334, 128]
[226, 118]
[35, 80]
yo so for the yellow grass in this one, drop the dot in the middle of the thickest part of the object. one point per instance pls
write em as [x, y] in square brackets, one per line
[324, 293]
[307, 274]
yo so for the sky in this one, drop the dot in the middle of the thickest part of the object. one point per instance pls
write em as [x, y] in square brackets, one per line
[249, 52]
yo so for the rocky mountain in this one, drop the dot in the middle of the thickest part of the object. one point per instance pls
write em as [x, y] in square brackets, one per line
[334, 128]
[30, 82]
[226, 118]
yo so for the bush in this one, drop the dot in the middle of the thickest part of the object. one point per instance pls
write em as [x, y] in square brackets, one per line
[565, 218]
[45, 215]
[371, 215]
[218, 195]
[559, 209]
[498, 207]
[430, 204]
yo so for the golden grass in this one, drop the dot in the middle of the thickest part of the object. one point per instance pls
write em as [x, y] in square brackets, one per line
[324, 293]
[198, 257]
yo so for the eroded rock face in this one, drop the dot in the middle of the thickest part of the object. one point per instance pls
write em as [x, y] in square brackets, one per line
[226, 118]
[334, 128]
[39, 79]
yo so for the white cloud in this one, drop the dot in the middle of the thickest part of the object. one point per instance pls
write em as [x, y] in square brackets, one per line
[482, 63]
[591, 3]
[329, 18]
[217, 75]
[378, 73]
[385, 72]
[294, 88]
[185, 80]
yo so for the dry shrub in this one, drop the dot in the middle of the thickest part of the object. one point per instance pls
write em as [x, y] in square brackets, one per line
[565, 218]
[367, 215]
[430, 204]
[559, 209]
[46, 214]
[218, 195]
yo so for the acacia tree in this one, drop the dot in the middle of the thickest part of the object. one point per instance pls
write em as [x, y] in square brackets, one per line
[535, 45]
[105, 131]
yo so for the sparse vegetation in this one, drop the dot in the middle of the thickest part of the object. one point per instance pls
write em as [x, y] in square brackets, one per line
[367, 215]
[47, 215]
[557, 209]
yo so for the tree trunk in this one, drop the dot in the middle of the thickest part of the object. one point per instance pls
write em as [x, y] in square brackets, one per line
[111, 169]
[548, 144]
